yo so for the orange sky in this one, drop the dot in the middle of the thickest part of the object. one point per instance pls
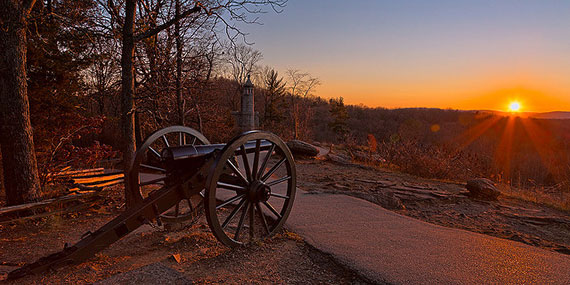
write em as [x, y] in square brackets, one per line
[416, 53]
[476, 96]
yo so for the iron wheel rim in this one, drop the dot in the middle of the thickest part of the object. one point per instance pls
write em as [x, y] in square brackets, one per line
[149, 148]
[270, 214]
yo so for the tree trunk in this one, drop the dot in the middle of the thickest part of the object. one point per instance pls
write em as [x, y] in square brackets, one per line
[198, 114]
[138, 130]
[20, 168]
[179, 100]
[127, 98]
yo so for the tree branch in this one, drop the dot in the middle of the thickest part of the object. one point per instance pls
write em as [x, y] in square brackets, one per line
[165, 25]
[27, 6]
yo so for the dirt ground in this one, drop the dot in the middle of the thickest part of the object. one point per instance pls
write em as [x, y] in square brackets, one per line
[285, 258]
[442, 203]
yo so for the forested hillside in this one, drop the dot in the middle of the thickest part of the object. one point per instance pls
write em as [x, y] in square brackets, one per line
[189, 63]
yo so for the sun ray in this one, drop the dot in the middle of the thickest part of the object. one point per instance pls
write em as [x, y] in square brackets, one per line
[473, 133]
[504, 152]
[544, 144]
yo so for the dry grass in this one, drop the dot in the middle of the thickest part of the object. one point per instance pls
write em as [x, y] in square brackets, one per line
[436, 163]
[554, 197]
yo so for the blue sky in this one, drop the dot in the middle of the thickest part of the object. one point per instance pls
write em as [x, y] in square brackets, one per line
[425, 53]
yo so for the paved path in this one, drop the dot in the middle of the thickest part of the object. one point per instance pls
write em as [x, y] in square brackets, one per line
[386, 247]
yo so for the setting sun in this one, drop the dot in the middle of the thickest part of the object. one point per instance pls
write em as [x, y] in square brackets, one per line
[514, 106]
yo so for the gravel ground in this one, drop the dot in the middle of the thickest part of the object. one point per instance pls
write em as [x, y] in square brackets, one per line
[192, 251]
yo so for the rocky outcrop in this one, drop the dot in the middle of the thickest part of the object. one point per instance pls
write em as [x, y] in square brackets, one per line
[389, 201]
[339, 158]
[301, 148]
[482, 188]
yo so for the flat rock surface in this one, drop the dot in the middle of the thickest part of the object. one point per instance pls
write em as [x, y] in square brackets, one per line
[386, 247]
[155, 273]
[445, 203]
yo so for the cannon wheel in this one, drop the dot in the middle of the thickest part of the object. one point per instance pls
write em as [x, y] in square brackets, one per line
[258, 184]
[148, 173]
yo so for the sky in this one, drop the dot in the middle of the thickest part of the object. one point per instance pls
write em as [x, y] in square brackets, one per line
[460, 54]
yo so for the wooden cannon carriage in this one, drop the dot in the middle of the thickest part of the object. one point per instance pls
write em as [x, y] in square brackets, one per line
[246, 189]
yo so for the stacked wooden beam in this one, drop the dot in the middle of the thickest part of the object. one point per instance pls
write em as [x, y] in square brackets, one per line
[85, 187]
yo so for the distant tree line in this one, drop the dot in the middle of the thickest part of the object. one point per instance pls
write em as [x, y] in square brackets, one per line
[86, 80]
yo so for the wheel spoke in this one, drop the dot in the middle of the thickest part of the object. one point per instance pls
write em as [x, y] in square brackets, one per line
[251, 222]
[181, 139]
[279, 195]
[176, 209]
[237, 172]
[190, 205]
[165, 141]
[280, 180]
[241, 219]
[264, 164]
[231, 186]
[233, 213]
[273, 169]
[262, 218]
[193, 140]
[229, 201]
[152, 167]
[152, 181]
[154, 152]
[245, 163]
[272, 209]
[231, 179]
[255, 159]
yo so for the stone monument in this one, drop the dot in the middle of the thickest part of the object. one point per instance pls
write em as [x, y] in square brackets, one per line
[247, 117]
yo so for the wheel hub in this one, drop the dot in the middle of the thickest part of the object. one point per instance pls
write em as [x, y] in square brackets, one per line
[259, 192]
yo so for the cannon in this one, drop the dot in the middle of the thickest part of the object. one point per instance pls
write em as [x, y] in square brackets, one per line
[246, 189]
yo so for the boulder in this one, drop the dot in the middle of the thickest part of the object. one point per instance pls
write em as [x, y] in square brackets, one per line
[482, 188]
[301, 148]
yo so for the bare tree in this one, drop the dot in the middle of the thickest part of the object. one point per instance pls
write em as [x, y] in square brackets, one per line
[295, 82]
[102, 77]
[21, 178]
[179, 100]
[128, 82]
[296, 78]
[224, 13]
[301, 85]
[309, 86]
[242, 60]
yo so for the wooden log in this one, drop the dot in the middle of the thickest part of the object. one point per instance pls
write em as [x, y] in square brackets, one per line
[101, 184]
[99, 175]
[44, 203]
[97, 180]
[79, 207]
[73, 173]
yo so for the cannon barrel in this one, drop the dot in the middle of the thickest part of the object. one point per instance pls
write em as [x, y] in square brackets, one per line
[190, 151]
